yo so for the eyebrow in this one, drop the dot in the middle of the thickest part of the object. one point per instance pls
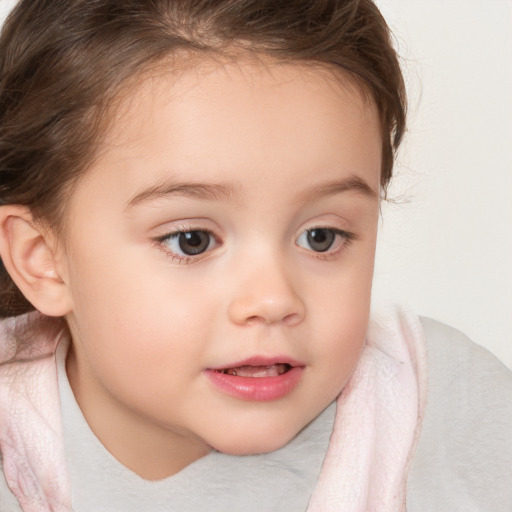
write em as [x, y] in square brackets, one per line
[351, 184]
[216, 192]
[206, 191]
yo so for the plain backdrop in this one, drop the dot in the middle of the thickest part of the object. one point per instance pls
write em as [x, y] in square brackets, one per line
[445, 244]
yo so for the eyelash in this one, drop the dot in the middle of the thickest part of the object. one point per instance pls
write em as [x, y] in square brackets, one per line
[160, 241]
[176, 232]
[347, 239]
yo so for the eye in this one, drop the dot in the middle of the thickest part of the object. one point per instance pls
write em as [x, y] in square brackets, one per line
[188, 243]
[323, 239]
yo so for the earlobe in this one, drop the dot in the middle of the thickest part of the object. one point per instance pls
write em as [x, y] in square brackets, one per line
[31, 261]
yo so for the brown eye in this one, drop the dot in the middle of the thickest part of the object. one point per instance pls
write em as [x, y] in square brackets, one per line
[194, 242]
[188, 243]
[324, 239]
[320, 240]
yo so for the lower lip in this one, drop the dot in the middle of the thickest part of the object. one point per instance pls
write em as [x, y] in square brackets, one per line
[259, 389]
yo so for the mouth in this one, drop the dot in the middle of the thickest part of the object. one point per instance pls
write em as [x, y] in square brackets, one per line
[260, 379]
[258, 371]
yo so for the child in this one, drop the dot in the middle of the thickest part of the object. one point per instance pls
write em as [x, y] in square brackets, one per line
[189, 199]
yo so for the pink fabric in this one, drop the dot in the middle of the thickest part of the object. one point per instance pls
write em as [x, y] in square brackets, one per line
[377, 425]
[378, 422]
[30, 424]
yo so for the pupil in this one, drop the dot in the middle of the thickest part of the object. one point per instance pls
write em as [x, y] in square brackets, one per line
[194, 242]
[320, 240]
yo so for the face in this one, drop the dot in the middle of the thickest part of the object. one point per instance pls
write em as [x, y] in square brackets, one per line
[219, 257]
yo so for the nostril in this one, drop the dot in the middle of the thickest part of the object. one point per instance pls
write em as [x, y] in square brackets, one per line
[254, 319]
[292, 319]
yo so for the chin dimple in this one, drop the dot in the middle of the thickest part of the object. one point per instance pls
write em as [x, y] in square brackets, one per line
[271, 370]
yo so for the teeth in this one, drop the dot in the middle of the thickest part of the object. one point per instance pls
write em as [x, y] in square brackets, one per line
[271, 370]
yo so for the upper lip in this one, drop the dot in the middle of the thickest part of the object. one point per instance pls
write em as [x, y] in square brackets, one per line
[260, 361]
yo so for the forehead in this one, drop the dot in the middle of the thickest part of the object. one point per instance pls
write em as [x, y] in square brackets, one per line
[218, 120]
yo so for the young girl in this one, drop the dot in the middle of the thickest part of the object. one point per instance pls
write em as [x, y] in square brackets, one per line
[189, 195]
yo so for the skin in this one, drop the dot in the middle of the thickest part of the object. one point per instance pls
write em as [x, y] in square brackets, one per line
[145, 322]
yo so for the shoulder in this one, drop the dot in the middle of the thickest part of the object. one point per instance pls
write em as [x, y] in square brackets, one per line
[445, 341]
[464, 457]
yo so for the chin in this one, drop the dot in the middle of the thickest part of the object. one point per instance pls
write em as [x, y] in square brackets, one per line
[255, 440]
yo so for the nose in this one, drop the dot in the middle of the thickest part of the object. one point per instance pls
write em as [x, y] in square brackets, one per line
[266, 296]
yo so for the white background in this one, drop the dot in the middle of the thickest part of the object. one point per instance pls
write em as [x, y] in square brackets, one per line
[447, 251]
[445, 246]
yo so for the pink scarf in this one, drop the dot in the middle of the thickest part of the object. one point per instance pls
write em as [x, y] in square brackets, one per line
[377, 425]
[378, 422]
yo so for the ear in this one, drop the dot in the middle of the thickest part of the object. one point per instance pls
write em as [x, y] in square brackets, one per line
[29, 254]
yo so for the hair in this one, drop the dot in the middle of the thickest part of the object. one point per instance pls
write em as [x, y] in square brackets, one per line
[63, 64]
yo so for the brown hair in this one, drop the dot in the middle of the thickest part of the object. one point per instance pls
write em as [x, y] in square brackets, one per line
[63, 63]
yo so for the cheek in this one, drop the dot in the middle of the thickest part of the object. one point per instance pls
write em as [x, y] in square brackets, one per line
[143, 356]
[134, 322]
[341, 308]
[343, 342]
